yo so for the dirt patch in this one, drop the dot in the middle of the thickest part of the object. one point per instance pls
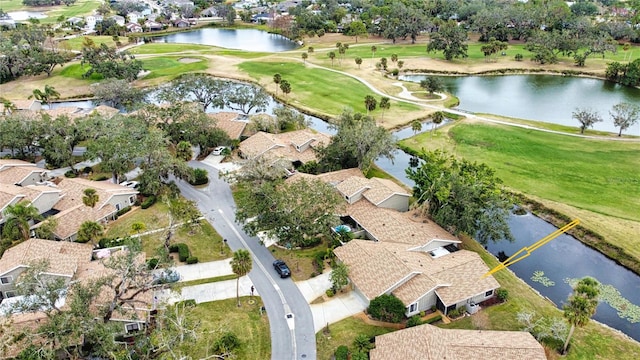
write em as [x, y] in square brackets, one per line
[188, 60]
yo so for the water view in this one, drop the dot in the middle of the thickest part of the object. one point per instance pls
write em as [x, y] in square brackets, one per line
[239, 39]
[545, 98]
[25, 15]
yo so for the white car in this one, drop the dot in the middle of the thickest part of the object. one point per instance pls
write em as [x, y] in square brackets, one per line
[129, 184]
[218, 151]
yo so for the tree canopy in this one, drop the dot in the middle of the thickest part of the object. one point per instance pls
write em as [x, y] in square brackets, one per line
[461, 196]
[295, 213]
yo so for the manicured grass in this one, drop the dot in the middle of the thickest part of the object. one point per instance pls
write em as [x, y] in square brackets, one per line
[317, 89]
[180, 285]
[300, 261]
[76, 43]
[164, 48]
[171, 66]
[597, 175]
[205, 243]
[75, 71]
[246, 322]
[343, 333]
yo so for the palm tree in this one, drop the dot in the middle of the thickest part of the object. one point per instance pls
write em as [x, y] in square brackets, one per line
[241, 266]
[581, 306]
[437, 118]
[416, 126]
[7, 106]
[370, 103]
[277, 78]
[332, 56]
[19, 217]
[45, 96]
[310, 49]
[373, 51]
[90, 231]
[358, 61]
[385, 104]
[90, 197]
[304, 57]
[394, 58]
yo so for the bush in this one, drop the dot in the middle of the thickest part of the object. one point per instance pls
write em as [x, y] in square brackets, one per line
[519, 57]
[342, 353]
[433, 319]
[182, 250]
[101, 178]
[456, 312]
[148, 202]
[359, 356]
[330, 292]
[87, 170]
[226, 343]
[152, 263]
[502, 294]
[108, 242]
[387, 308]
[70, 174]
[414, 321]
[192, 260]
[200, 177]
[395, 72]
[124, 210]
[362, 343]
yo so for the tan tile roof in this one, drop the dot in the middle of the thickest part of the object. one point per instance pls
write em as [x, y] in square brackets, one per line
[70, 220]
[382, 189]
[15, 174]
[226, 121]
[14, 162]
[334, 177]
[104, 110]
[376, 267]
[70, 111]
[353, 185]
[427, 342]
[9, 191]
[64, 257]
[393, 226]
[74, 191]
[23, 104]
[284, 144]
[371, 268]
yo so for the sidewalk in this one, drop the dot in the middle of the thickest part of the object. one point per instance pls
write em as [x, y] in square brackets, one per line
[220, 290]
[315, 287]
[204, 270]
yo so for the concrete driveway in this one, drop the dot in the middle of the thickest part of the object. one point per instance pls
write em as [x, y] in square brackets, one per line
[339, 307]
[204, 270]
[214, 291]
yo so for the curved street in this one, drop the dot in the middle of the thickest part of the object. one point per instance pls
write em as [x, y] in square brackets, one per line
[290, 317]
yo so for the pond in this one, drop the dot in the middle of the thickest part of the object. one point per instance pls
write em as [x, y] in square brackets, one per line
[545, 98]
[25, 15]
[239, 39]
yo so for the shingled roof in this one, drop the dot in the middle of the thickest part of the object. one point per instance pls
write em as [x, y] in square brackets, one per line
[427, 342]
[63, 257]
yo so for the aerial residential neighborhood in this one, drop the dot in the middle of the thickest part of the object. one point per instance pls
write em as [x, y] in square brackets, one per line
[319, 179]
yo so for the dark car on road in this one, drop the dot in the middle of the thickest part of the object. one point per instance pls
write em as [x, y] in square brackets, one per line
[282, 268]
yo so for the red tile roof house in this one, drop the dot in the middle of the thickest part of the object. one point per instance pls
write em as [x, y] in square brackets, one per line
[402, 254]
[72, 262]
[426, 342]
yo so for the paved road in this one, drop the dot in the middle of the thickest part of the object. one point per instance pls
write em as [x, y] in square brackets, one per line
[292, 338]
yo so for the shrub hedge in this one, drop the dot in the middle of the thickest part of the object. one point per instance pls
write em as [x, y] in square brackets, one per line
[124, 210]
[182, 250]
[148, 202]
[192, 260]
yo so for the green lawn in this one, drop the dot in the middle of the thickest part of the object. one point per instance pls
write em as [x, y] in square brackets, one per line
[172, 66]
[343, 333]
[75, 71]
[205, 243]
[597, 175]
[164, 48]
[246, 322]
[76, 43]
[317, 88]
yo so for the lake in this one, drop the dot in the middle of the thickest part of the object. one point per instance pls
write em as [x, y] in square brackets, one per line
[239, 39]
[546, 98]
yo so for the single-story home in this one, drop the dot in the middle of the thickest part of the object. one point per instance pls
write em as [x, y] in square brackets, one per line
[294, 146]
[230, 123]
[430, 342]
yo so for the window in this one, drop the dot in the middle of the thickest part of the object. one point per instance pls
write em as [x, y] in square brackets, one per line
[132, 200]
[118, 207]
[131, 327]
[488, 293]
[413, 307]
[5, 280]
[9, 294]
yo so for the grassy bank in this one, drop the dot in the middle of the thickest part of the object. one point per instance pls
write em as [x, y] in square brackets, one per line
[246, 322]
[596, 180]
